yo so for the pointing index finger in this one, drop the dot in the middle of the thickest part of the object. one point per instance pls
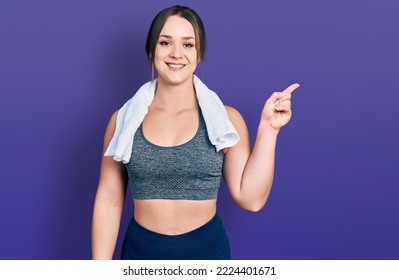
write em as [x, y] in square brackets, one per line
[291, 88]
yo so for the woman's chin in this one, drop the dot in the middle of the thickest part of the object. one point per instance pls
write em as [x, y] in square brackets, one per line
[176, 79]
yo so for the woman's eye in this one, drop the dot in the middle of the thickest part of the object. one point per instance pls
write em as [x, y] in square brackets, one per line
[188, 45]
[164, 43]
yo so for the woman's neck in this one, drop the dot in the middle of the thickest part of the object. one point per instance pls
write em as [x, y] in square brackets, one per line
[174, 98]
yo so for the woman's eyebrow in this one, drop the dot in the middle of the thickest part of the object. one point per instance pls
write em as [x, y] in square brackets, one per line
[170, 37]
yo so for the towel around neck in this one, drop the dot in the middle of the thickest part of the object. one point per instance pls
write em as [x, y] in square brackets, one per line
[221, 131]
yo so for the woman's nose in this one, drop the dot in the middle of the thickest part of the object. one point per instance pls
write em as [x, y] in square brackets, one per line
[176, 52]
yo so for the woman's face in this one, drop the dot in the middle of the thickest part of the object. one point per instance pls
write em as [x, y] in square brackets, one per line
[175, 54]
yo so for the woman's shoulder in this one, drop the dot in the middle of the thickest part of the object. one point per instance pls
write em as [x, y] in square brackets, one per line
[114, 115]
[238, 122]
[112, 120]
[231, 109]
[111, 126]
[234, 115]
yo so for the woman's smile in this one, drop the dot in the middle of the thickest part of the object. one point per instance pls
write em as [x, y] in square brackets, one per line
[175, 66]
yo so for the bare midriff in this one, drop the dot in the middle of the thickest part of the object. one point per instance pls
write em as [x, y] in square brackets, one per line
[172, 217]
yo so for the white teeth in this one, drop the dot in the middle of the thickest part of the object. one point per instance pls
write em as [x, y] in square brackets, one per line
[175, 66]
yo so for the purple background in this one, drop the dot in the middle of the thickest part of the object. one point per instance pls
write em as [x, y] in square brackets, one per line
[65, 67]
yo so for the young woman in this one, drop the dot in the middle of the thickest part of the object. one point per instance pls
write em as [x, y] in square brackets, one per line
[174, 170]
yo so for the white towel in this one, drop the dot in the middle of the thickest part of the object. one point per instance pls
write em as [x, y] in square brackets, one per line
[221, 131]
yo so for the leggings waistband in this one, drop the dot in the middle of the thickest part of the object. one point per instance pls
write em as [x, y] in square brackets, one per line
[143, 232]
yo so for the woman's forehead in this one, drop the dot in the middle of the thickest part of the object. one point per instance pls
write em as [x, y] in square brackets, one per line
[177, 27]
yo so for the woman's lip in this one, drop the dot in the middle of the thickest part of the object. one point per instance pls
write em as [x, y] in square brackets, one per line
[174, 66]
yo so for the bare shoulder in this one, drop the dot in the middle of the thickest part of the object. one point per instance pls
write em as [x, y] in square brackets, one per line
[109, 132]
[235, 117]
[112, 120]
[113, 117]
[239, 123]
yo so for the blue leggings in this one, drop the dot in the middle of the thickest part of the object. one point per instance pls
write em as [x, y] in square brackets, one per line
[208, 242]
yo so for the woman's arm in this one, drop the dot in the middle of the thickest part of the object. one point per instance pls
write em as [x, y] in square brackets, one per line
[109, 201]
[249, 175]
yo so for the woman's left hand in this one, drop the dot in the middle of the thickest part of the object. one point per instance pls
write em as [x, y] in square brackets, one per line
[277, 109]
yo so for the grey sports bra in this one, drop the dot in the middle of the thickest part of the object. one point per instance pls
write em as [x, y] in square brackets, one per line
[188, 171]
